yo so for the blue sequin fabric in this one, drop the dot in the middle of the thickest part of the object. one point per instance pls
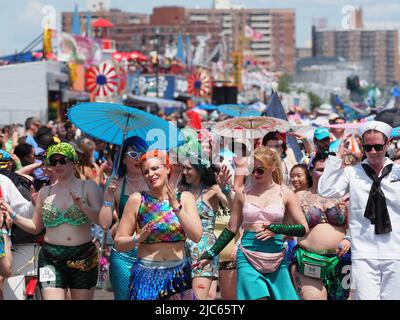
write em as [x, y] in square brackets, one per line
[161, 280]
[2, 250]
[120, 272]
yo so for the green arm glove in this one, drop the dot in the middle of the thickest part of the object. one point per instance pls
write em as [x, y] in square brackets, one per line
[296, 230]
[225, 237]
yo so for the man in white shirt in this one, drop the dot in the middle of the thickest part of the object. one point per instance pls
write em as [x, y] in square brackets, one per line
[13, 197]
[10, 194]
[374, 219]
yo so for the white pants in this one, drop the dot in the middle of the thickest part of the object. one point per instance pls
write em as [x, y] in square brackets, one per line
[376, 279]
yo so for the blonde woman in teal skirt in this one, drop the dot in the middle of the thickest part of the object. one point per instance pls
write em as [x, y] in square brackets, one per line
[262, 272]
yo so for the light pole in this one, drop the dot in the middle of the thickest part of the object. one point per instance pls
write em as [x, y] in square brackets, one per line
[157, 42]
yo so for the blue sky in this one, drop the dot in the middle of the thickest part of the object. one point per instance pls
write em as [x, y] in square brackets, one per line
[20, 20]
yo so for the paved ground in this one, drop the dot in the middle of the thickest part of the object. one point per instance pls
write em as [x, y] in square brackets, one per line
[103, 295]
[106, 295]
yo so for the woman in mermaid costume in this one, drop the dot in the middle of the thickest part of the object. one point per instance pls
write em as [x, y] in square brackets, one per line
[262, 272]
[164, 219]
[321, 262]
[68, 258]
[200, 180]
[116, 196]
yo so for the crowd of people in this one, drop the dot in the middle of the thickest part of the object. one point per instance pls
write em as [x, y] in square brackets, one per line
[252, 222]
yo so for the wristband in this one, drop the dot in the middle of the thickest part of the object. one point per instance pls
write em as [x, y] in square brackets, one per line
[347, 237]
[108, 204]
[13, 216]
[223, 240]
[297, 230]
[226, 190]
[177, 210]
[135, 241]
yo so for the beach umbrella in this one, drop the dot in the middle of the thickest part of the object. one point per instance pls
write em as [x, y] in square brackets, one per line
[115, 123]
[238, 110]
[249, 127]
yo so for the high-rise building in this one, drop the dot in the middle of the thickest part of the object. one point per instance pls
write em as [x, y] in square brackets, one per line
[273, 45]
[165, 23]
[276, 47]
[115, 16]
[380, 48]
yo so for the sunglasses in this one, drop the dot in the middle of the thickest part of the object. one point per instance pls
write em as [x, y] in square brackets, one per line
[133, 155]
[377, 147]
[62, 161]
[259, 171]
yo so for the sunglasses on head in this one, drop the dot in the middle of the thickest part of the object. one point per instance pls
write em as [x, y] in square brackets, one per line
[260, 171]
[62, 161]
[377, 147]
[133, 155]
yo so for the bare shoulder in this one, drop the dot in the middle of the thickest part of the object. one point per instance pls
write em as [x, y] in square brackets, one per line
[90, 184]
[187, 196]
[288, 194]
[44, 192]
[135, 198]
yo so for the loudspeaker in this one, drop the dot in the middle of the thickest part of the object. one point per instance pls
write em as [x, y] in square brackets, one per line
[224, 95]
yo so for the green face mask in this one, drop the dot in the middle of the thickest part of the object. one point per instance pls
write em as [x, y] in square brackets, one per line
[64, 149]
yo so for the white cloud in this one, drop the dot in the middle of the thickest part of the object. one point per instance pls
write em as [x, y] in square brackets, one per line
[382, 9]
[32, 12]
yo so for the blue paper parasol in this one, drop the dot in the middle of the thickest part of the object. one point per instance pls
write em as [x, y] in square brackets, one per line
[207, 107]
[396, 132]
[238, 110]
[115, 123]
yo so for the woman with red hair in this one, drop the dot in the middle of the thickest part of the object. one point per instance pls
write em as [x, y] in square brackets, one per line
[162, 270]
[194, 120]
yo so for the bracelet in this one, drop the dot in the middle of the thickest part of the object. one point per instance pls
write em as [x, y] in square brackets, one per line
[13, 216]
[3, 231]
[347, 237]
[108, 204]
[135, 241]
[226, 190]
[177, 210]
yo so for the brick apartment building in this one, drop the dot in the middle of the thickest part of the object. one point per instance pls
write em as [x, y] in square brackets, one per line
[132, 31]
[379, 48]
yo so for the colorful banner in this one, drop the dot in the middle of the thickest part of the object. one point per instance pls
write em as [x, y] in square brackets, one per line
[79, 49]
[252, 34]
[237, 68]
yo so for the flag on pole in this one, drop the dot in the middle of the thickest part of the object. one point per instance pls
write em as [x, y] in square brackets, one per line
[76, 22]
[180, 55]
[188, 52]
[88, 24]
[252, 34]
[276, 110]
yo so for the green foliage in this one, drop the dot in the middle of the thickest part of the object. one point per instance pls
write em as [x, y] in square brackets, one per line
[315, 100]
[284, 83]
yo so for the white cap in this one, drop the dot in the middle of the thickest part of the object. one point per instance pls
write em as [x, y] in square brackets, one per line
[378, 126]
[333, 116]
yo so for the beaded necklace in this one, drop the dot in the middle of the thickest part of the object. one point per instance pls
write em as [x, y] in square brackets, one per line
[134, 180]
